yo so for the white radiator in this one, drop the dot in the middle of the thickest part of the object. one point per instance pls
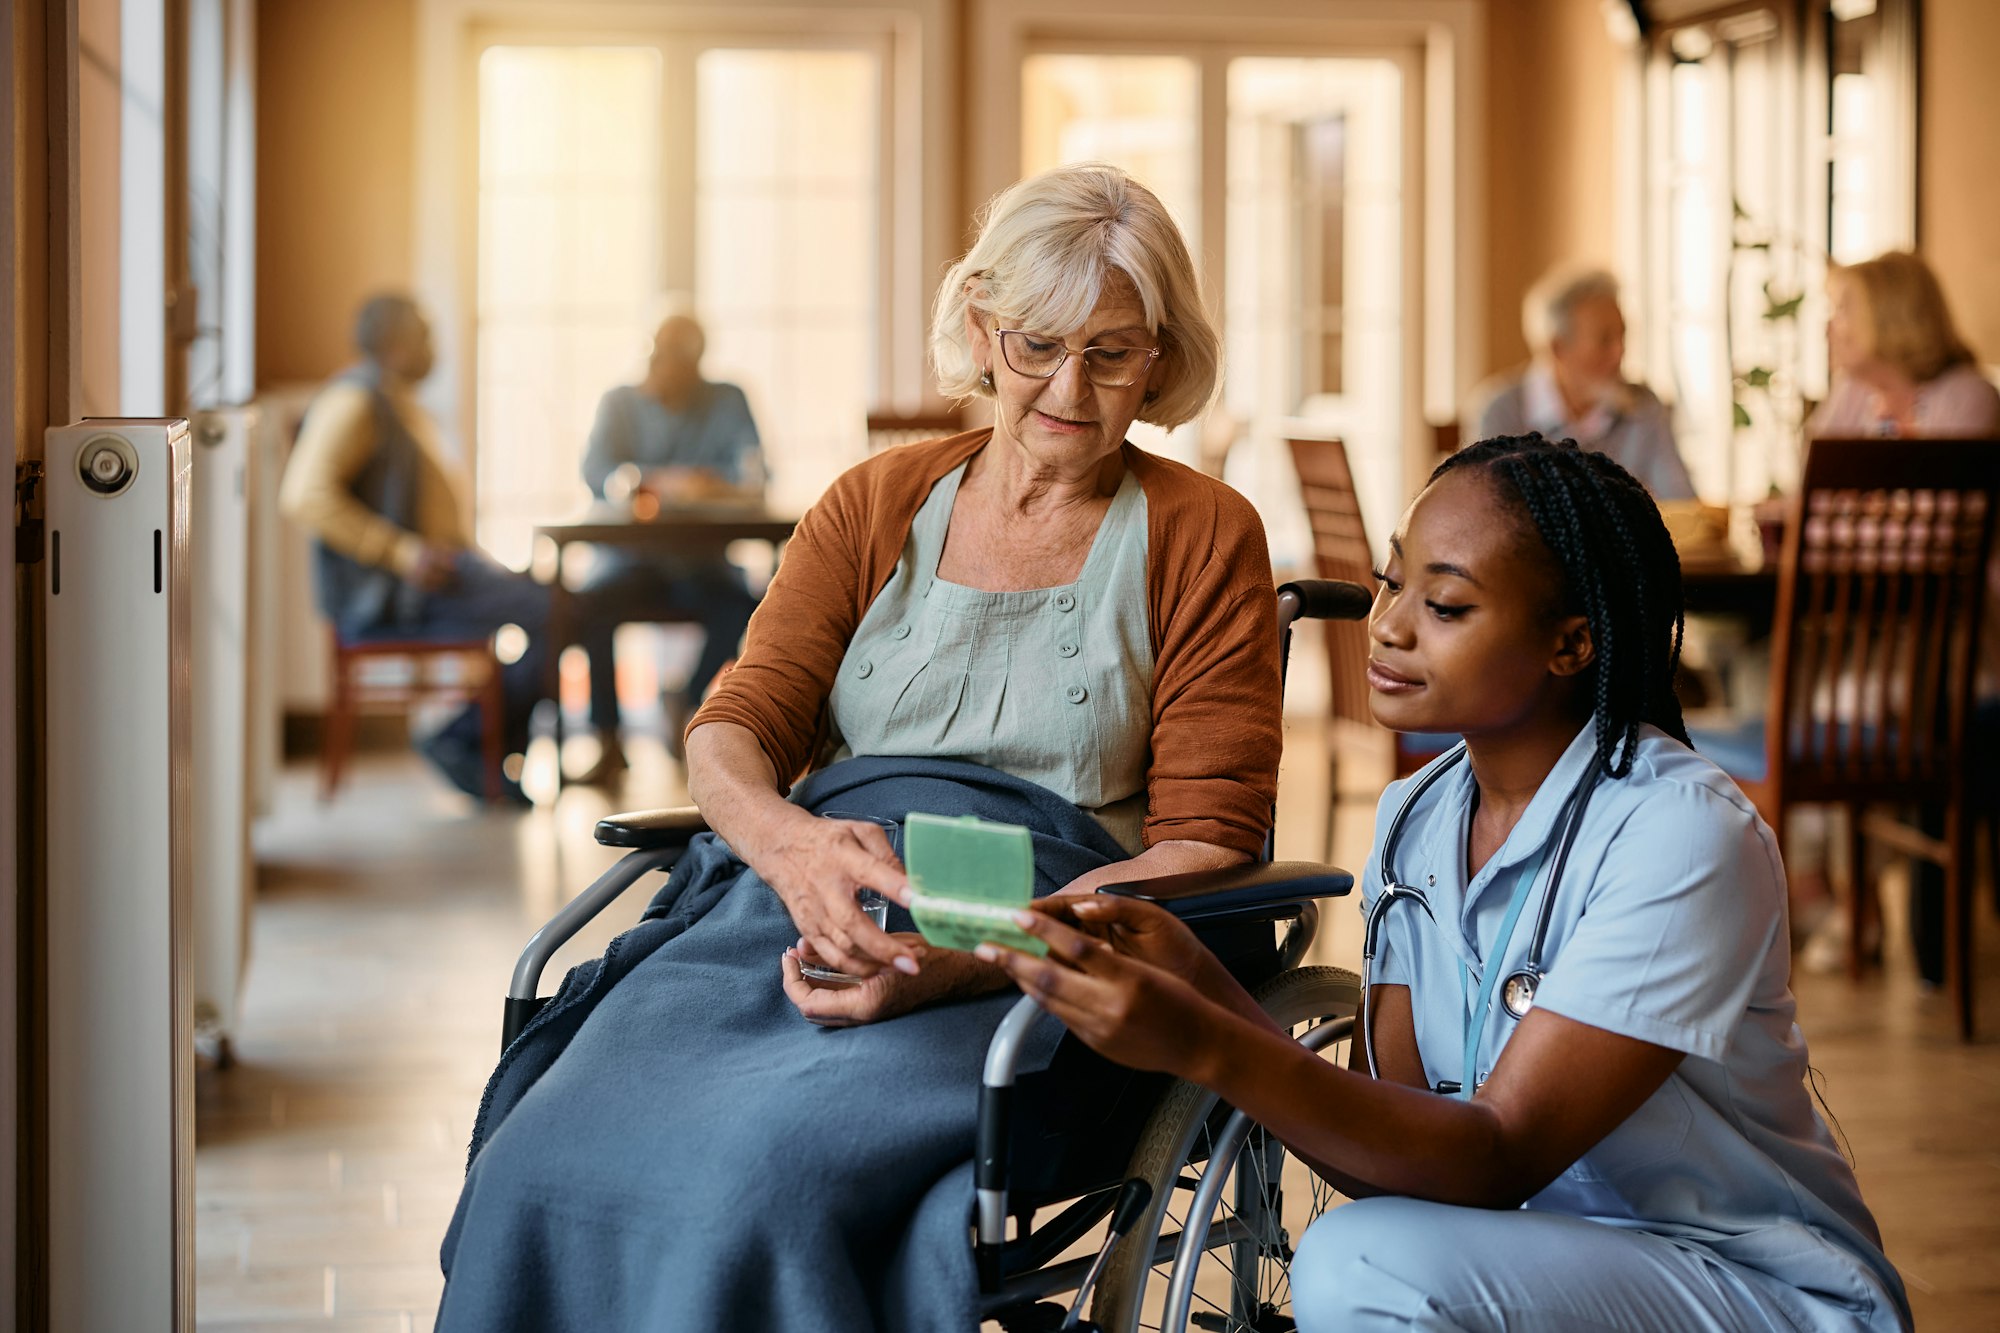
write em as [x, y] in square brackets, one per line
[220, 646]
[121, 1142]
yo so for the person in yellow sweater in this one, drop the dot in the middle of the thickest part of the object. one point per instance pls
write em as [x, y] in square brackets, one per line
[393, 550]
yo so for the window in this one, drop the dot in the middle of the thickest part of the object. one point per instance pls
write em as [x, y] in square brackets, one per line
[615, 177]
[1304, 257]
[1775, 139]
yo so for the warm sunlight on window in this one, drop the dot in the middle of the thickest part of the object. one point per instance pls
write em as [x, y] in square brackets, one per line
[569, 246]
[786, 249]
[1136, 112]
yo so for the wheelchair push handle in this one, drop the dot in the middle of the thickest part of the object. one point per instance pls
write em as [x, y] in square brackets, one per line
[1323, 599]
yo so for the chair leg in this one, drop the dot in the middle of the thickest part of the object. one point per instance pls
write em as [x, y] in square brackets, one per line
[1958, 914]
[1860, 892]
[339, 737]
[493, 727]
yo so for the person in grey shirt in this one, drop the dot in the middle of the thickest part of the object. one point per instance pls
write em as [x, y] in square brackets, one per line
[1573, 388]
[684, 439]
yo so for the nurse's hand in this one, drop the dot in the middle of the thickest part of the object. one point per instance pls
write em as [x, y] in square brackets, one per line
[1151, 934]
[1124, 1007]
[946, 975]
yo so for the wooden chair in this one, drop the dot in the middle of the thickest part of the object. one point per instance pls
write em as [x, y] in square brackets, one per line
[1882, 586]
[1445, 438]
[1341, 551]
[477, 677]
[886, 430]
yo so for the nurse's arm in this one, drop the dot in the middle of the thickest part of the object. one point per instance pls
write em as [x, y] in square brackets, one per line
[1560, 1087]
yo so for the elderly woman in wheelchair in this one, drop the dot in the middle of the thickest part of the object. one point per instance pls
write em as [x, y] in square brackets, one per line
[1036, 623]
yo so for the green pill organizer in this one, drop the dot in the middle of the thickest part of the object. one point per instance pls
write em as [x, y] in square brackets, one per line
[968, 877]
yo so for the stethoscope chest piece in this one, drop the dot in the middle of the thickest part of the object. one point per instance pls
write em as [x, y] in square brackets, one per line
[1517, 992]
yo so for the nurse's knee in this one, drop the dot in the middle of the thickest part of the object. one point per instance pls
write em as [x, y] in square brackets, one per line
[1345, 1273]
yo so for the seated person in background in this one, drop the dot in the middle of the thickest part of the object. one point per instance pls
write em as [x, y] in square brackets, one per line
[1900, 371]
[1899, 367]
[687, 439]
[1604, 1127]
[1076, 636]
[368, 479]
[1573, 388]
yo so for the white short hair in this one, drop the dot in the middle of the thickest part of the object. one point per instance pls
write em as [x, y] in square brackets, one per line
[1046, 246]
[1549, 310]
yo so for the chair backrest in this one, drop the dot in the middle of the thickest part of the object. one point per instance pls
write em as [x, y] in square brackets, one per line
[886, 430]
[1445, 437]
[1882, 589]
[1341, 551]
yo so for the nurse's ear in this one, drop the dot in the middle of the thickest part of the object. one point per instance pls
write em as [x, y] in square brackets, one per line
[1575, 649]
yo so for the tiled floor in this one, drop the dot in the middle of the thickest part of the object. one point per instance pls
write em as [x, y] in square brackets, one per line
[329, 1157]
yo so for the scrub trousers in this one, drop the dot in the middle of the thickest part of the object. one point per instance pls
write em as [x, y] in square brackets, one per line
[1394, 1263]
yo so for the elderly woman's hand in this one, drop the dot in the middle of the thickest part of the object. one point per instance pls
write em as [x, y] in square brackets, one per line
[816, 866]
[886, 994]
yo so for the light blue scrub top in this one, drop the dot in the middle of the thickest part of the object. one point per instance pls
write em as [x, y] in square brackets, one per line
[714, 431]
[1669, 927]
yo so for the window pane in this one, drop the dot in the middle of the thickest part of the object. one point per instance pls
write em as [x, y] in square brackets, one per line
[1135, 112]
[569, 242]
[1314, 327]
[786, 238]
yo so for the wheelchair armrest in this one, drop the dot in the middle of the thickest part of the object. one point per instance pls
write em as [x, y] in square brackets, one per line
[1250, 891]
[647, 830]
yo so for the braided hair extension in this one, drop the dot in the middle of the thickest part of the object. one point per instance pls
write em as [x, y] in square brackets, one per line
[1619, 569]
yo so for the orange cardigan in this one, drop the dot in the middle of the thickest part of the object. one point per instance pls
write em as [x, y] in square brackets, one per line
[1210, 604]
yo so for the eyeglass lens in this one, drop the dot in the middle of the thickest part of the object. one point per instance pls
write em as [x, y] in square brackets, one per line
[1106, 367]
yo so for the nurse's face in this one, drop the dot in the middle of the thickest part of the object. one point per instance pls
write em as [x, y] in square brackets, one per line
[1467, 635]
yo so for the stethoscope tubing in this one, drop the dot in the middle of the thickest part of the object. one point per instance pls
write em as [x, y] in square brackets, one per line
[1529, 975]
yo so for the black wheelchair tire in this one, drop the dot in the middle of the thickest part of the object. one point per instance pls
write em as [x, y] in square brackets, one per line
[1305, 996]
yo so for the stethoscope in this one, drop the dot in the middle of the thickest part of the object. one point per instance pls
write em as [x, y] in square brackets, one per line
[1517, 993]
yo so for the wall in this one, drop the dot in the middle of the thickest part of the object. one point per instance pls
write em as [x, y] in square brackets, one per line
[1551, 86]
[336, 99]
[1958, 193]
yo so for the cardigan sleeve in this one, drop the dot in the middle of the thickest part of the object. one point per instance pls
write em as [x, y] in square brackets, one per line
[1217, 697]
[779, 687]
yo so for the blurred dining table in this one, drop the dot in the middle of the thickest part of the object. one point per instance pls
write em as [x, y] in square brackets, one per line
[1729, 563]
[689, 530]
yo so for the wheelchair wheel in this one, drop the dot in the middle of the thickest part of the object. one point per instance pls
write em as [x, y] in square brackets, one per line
[1226, 1196]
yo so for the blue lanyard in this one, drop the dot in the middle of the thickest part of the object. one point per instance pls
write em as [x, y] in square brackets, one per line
[1475, 1021]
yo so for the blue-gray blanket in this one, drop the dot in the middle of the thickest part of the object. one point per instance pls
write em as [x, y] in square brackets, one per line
[670, 1145]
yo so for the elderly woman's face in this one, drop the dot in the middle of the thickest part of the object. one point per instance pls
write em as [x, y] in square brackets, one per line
[1068, 418]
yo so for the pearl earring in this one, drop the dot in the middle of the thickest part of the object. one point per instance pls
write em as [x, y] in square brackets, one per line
[986, 378]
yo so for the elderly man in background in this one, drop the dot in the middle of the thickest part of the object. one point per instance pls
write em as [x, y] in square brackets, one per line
[394, 556]
[683, 439]
[1574, 389]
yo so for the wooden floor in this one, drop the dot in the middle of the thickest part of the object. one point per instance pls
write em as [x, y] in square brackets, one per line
[329, 1156]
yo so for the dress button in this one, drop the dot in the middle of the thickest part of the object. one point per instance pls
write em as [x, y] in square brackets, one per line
[1066, 649]
[1077, 694]
[1065, 601]
[900, 632]
[865, 670]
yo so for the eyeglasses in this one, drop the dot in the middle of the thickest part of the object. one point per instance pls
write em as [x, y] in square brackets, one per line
[1106, 367]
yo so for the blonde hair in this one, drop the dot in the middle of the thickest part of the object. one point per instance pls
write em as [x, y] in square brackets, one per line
[1047, 245]
[1548, 311]
[1903, 318]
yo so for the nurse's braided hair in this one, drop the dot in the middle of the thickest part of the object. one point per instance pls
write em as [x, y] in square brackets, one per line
[1619, 568]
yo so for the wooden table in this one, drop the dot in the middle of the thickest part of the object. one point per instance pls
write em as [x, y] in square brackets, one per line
[696, 530]
[1731, 587]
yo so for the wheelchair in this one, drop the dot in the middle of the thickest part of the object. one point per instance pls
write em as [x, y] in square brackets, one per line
[1202, 1205]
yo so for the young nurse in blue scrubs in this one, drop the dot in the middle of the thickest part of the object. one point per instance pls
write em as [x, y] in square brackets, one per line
[1639, 1150]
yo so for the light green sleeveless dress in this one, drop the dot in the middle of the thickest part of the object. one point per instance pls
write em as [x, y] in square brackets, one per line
[1053, 685]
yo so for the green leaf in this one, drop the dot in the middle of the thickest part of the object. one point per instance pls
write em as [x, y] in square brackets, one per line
[1757, 377]
[1736, 206]
[1785, 309]
[1742, 415]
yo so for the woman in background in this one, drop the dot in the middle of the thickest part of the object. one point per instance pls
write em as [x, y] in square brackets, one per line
[1900, 370]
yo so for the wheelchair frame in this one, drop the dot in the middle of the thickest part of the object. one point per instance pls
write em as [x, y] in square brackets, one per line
[1016, 1275]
